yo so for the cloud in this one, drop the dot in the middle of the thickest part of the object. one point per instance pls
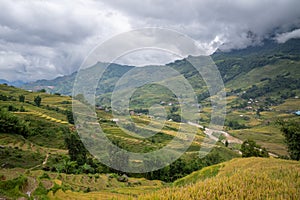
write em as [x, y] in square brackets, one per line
[237, 23]
[52, 37]
[282, 38]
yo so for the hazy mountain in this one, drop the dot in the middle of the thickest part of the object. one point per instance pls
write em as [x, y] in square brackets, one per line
[13, 83]
[233, 65]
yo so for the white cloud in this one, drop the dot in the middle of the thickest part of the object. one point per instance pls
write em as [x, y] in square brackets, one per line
[282, 38]
[52, 37]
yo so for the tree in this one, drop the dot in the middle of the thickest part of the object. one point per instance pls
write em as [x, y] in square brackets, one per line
[77, 151]
[70, 116]
[226, 143]
[11, 124]
[249, 148]
[12, 108]
[291, 132]
[22, 109]
[42, 90]
[22, 98]
[37, 101]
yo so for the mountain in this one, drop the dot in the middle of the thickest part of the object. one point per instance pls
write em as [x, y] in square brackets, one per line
[261, 82]
[42, 155]
[64, 84]
[231, 64]
[13, 83]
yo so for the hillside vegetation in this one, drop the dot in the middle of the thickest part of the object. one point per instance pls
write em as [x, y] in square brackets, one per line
[251, 178]
[243, 178]
[42, 156]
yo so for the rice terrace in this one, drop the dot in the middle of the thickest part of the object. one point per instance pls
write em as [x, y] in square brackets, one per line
[149, 100]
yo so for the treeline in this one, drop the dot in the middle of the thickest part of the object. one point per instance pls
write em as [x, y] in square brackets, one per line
[291, 132]
[80, 161]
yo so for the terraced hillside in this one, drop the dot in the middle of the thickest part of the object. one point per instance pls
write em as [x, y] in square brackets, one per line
[243, 178]
[262, 85]
[251, 178]
[44, 142]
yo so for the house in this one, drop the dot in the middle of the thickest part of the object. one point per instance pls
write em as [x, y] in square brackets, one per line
[115, 120]
[297, 113]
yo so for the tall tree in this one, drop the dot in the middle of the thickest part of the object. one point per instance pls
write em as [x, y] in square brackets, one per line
[291, 132]
[37, 101]
[70, 116]
[22, 98]
[77, 151]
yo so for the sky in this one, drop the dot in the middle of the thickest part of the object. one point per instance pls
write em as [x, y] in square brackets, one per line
[43, 39]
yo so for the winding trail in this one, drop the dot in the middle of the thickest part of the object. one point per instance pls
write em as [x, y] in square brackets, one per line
[229, 138]
[209, 133]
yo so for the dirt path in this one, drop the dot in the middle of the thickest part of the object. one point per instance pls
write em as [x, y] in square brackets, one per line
[209, 132]
[229, 138]
[46, 159]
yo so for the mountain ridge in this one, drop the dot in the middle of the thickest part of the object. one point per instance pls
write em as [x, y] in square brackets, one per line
[224, 60]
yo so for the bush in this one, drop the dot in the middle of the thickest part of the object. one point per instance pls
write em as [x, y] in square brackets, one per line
[37, 101]
[249, 148]
[12, 188]
[11, 124]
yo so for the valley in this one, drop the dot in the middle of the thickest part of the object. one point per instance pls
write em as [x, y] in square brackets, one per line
[43, 157]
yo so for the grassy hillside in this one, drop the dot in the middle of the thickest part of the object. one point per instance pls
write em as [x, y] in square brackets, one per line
[44, 147]
[42, 156]
[251, 178]
[262, 85]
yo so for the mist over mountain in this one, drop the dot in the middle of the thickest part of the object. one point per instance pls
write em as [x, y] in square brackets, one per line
[230, 64]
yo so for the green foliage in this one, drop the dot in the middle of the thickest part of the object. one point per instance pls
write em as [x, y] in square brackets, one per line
[15, 157]
[37, 101]
[42, 90]
[249, 148]
[226, 143]
[247, 178]
[40, 192]
[3, 97]
[55, 188]
[22, 98]
[13, 188]
[22, 109]
[235, 125]
[12, 108]
[183, 166]
[200, 175]
[174, 117]
[67, 166]
[11, 124]
[70, 116]
[76, 149]
[291, 132]
[280, 83]
[44, 176]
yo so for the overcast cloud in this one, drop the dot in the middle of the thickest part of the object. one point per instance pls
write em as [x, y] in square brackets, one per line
[44, 39]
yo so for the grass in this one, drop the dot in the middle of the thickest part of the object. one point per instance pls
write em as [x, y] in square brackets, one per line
[197, 176]
[251, 178]
[268, 71]
[269, 137]
[69, 186]
[15, 157]
[50, 125]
